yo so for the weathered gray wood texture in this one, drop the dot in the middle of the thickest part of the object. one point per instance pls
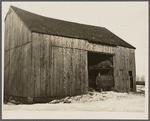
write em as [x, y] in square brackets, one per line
[17, 57]
[40, 65]
[124, 60]
[57, 70]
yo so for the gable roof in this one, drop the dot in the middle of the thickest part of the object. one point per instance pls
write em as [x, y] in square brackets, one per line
[50, 26]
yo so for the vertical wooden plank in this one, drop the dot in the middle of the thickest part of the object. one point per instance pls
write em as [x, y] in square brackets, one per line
[52, 39]
[116, 69]
[55, 40]
[19, 74]
[6, 38]
[61, 71]
[65, 72]
[47, 59]
[120, 68]
[76, 62]
[42, 64]
[134, 71]
[79, 73]
[69, 69]
[90, 47]
[11, 31]
[127, 75]
[6, 72]
[19, 32]
[54, 71]
[57, 53]
[26, 68]
[73, 72]
[68, 42]
[36, 62]
[63, 42]
[129, 68]
[24, 34]
[83, 72]
[81, 44]
[124, 70]
[84, 44]
[87, 45]
[15, 30]
[17, 71]
[24, 74]
[49, 66]
[86, 72]
[28, 35]
[58, 41]
[74, 43]
[33, 60]
[13, 71]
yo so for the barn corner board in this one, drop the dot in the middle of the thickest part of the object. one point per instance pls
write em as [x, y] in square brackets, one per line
[48, 58]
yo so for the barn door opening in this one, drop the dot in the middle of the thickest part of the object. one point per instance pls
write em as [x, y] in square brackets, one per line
[103, 64]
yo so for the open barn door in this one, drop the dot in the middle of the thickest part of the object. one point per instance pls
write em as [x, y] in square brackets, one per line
[103, 64]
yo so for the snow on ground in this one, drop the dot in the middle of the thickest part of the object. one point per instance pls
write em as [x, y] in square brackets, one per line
[108, 101]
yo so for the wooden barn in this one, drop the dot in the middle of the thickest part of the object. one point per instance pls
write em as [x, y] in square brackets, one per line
[47, 58]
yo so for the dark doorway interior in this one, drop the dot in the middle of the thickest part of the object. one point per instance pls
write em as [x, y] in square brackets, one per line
[103, 64]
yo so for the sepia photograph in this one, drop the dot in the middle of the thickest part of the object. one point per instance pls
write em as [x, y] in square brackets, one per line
[75, 60]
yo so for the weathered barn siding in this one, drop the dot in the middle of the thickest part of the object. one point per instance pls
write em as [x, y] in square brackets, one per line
[6, 72]
[41, 65]
[80, 44]
[124, 62]
[17, 59]
[16, 32]
[57, 70]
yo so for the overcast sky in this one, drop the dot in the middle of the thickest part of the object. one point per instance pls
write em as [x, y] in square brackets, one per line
[128, 20]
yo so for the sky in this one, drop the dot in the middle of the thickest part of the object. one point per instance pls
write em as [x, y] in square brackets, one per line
[128, 20]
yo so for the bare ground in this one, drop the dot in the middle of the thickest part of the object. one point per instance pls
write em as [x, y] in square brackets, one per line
[108, 101]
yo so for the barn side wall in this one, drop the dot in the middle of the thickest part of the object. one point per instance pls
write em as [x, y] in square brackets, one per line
[124, 61]
[59, 65]
[17, 56]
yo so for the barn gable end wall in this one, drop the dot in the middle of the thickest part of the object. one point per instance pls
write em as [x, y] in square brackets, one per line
[17, 60]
